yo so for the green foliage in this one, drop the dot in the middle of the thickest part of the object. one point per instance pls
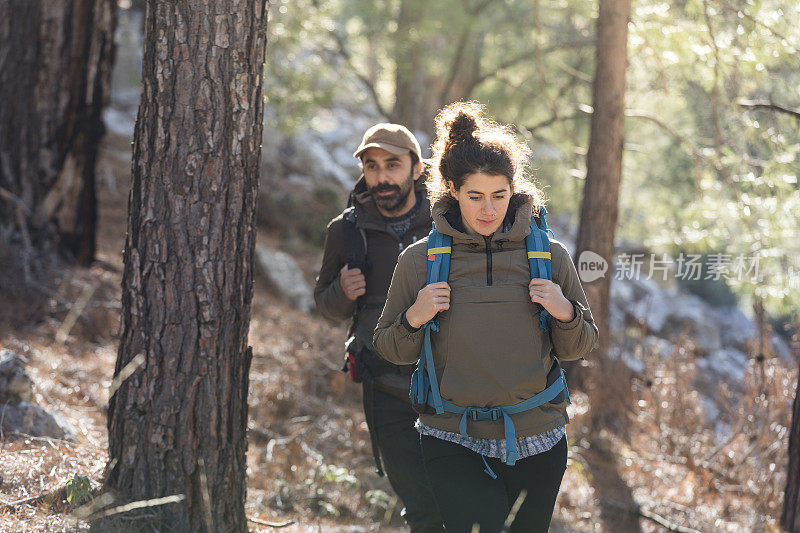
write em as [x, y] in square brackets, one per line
[725, 178]
[78, 488]
[303, 74]
[326, 508]
[338, 474]
[378, 498]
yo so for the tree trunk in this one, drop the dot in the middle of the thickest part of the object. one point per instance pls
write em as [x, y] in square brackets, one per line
[598, 219]
[411, 79]
[790, 519]
[177, 424]
[55, 72]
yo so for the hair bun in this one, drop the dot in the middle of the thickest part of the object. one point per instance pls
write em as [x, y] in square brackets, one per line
[463, 127]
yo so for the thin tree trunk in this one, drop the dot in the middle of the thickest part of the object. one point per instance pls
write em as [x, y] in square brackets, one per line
[410, 76]
[55, 70]
[177, 424]
[790, 519]
[598, 219]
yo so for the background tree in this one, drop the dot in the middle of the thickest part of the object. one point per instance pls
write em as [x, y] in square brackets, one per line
[790, 518]
[409, 58]
[55, 71]
[177, 424]
[598, 218]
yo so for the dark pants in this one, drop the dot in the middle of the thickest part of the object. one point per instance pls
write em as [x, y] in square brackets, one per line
[466, 495]
[401, 455]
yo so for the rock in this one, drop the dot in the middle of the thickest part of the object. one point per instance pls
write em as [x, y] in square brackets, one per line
[691, 314]
[15, 385]
[710, 410]
[616, 321]
[781, 349]
[302, 184]
[729, 364]
[646, 301]
[284, 276]
[621, 293]
[17, 413]
[668, 314]
[119, 121]
[659, 347]
[736, 328]
[30, 419]
[631, 361]
[312, 159]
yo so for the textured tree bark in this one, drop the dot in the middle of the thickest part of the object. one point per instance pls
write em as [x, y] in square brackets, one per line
[55, 71]
[410, 76]
[417, 93]
[790, 519]
[177, 424]
[598, 219]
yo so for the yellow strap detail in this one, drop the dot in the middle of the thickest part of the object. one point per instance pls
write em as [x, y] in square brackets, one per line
[440, 250]
[539, 255]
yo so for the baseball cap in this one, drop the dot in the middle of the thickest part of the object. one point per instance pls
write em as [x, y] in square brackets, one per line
[393, 138]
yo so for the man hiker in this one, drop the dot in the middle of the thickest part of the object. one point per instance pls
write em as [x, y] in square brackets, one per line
[387, 211]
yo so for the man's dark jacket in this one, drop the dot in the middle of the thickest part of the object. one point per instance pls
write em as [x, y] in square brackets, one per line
[383, 247]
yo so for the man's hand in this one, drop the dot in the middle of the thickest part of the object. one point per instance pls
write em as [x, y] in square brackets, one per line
[353, 282]
[547, 293]
[430, 300]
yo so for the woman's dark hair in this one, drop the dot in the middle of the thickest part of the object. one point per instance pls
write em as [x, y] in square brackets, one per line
[466, 143]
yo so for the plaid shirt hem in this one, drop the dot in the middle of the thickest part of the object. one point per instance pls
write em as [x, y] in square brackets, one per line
[526, 446]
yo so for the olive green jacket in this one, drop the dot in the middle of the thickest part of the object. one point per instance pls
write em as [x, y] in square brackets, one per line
[490, 350]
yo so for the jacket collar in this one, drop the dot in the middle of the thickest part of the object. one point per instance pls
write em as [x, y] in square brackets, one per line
[447, 217]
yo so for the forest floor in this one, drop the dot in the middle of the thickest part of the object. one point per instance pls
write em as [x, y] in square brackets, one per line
[309, 458]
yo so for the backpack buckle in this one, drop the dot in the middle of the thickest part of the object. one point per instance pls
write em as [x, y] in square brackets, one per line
[484, 413]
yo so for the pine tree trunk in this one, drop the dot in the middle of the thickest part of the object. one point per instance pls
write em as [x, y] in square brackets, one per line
[55, 71]
[177, 424]
[598, 219]
[790, 519]
[411, 81]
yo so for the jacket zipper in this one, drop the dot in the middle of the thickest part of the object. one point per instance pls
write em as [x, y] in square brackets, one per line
[488, 240]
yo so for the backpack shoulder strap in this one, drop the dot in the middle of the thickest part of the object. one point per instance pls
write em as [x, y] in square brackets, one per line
[541, 221]
[439, 247]
[355, 240]
[537, 245]
[425, 386]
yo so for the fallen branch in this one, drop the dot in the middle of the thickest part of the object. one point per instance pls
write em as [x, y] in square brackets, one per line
[75, 312]
[270, 524]
[5, 194]
[660, 520]
[48, 498]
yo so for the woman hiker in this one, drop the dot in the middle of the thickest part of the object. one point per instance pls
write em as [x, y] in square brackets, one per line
[493, 422]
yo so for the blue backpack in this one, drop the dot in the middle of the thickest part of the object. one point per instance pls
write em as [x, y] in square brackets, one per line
[424, 393]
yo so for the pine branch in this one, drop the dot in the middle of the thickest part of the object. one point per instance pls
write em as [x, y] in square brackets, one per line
[769, 105]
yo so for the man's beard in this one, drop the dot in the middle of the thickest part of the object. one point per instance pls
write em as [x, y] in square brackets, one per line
[396, 200]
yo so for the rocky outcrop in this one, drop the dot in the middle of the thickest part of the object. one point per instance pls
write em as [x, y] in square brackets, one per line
[285, 277]
[18, 413]
[720, 337]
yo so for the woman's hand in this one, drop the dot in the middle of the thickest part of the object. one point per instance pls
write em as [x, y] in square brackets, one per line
[547, 293]
[430, 300]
